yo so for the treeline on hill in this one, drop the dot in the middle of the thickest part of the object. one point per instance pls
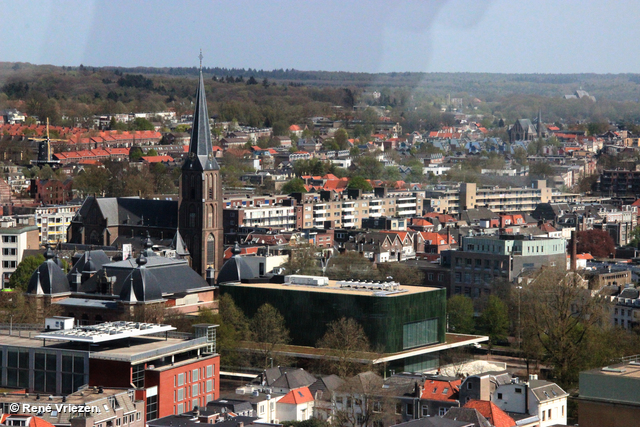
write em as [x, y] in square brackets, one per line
[279, 98]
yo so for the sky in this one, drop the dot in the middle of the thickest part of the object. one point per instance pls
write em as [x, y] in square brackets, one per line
[497, 36]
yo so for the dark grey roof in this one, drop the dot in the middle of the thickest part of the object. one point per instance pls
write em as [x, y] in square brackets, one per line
[545, 390]
[468, 415]
[48, 279]
[236, 269]
[178, 244]
[133, 211]
[187, 420]
[435, 422]
[294, 379]
[92, 303]
[234, 405]
[149, 282]
[629, 293]
[326, 385]
[98, 259]
[200, 156]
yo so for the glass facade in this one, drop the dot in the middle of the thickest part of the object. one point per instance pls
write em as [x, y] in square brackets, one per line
[383, 317]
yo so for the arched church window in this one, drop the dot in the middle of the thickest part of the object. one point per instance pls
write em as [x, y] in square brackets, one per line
[211, 249]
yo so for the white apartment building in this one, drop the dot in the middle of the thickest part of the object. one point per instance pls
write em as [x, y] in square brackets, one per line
[53, 222]
[543, 399]
[14, 239]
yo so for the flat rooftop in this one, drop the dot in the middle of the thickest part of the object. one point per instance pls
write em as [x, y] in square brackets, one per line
[81, 397]
[628, 369]
[135, 349]
[341, 287]
[303, 352]
[108, 331]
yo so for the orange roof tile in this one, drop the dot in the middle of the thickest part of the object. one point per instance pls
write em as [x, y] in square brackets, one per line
[440, 390]
[297, 396]
[496, 416]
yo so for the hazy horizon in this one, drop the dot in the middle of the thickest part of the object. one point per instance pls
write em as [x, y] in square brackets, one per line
[431, 36]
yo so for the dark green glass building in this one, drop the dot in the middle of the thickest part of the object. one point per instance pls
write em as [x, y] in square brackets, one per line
[395, 321]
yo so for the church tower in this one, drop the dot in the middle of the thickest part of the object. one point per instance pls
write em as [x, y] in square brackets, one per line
[200, 203]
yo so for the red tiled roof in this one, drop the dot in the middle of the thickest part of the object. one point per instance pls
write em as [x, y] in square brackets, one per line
[437, 238]
[157, 159]
[294, 128]
[243, 251]
[35, 421]
[496, 416]
[440, 390]
[297, 396]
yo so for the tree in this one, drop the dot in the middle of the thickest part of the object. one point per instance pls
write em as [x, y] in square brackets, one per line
[494, 320]
[234, 327]
[92, 180]
[302, 260]
[352, 265]
[135, 153]
[296, 185]
[268, 329]
[151, 152]
[343, 342]
[460, 314]
[358, 182]
[635, 237]
[401, 273]
[20, 277]
[560, 315]
[252, 81]
[596, 242]
[140, 123]
[341, 137]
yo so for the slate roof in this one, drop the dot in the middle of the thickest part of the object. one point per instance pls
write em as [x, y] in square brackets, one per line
[233, 405]
[200, 157]
[133, 211]
[468, 415]
[94, 260]
[294, 379]
[48, 278]
[187, 420]
[545, 390]
[435, 422]
[326, 385]
[150, 281]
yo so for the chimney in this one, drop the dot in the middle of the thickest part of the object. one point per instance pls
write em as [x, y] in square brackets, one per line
[574, 250]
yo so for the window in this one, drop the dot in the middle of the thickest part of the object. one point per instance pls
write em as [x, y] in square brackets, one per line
[442, 411]
[209, 385]
[499, 396]
[72, 373]
[549, 414]
[180, 395]
[137, 377]
[180, 408]
[425, 411]
[194, 375]
[377, 406]
[195, 390]
[419, 333]
[18, 369]
[469, 385]
[45, 372]
[399, 408]
[518, 390]
[409, 408]
[180, 379]
[544, 415]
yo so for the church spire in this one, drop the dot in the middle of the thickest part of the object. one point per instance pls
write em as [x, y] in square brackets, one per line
[200, 155]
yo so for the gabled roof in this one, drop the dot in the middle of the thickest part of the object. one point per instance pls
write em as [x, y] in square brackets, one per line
[467, 415]
[294, 379]
[35, 421]
[298, 396]
[496, 416]
[440, 389]
[545, 390]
